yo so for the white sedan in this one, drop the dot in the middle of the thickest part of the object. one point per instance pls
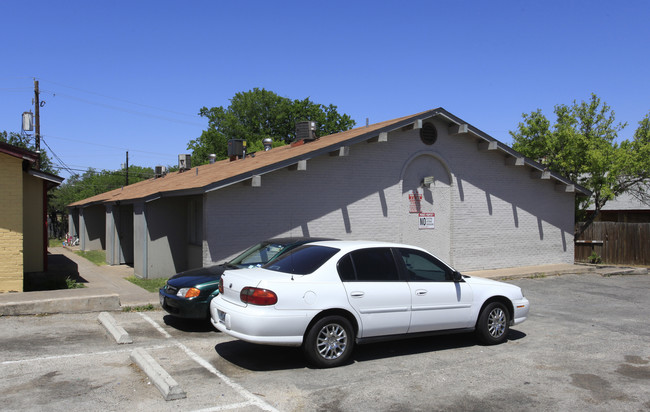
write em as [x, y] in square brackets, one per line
[327, 296]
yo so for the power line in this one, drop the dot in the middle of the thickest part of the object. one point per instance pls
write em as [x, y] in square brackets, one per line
[57, 157]
[108, 146]
[14, 89]
[124, 100]
[105, 172]
[129, 111]
[125, 109]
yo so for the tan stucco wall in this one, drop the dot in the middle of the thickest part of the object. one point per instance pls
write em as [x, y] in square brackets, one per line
[33, 223]
[11, 224]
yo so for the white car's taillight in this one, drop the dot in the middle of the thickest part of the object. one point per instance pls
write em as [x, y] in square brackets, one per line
[256, 296]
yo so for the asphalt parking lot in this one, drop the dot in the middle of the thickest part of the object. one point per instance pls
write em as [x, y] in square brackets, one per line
[584, 347]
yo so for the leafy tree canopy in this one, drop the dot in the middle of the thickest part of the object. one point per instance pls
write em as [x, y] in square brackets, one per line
[581, 145]
[257, 114]
[92, 183]
[25, 142]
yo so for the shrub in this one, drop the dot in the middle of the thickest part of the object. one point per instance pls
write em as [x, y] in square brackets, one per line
[595, 258]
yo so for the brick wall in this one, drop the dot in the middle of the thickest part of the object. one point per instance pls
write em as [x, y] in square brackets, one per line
[488, 215]
[503, 217]
[11, 224]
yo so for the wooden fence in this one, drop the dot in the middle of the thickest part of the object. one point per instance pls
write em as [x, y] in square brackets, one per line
[615, 243]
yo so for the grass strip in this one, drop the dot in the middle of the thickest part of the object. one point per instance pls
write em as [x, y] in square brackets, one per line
[152, 285]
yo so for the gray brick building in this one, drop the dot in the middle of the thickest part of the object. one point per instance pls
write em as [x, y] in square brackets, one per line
[429, 179]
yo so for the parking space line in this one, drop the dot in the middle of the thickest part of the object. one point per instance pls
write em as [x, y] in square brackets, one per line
[225, 408]
[155, 325]
[75, 355]
[252, 399]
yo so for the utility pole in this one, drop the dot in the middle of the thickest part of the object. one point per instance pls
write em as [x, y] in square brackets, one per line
[37, 125]
[127, 168]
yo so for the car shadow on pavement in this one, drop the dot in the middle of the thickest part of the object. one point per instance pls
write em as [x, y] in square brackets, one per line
[515, 335]
[424, 344]
[189, 325]
[262, 358]
[412, 346]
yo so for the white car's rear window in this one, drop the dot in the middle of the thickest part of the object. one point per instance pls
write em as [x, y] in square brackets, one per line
[303, 260]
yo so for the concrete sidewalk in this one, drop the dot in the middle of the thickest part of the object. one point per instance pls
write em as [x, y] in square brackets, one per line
[108, 290]
[556, 270]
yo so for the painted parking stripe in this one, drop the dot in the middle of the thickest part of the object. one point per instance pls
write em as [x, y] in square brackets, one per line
[75, 355]
[251, 399]
[155, 325]
[225, 407]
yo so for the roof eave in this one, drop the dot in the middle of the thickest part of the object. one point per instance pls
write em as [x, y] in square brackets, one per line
[373, 133]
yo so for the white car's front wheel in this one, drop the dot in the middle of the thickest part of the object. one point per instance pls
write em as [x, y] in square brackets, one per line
[493, 324]
[329, 342]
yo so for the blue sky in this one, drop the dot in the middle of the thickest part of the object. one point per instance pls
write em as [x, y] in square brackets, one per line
[132, 75]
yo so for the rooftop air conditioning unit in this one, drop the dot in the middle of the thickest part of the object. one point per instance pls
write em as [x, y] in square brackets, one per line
[184, 162]
[236, 148]
[159, 171]
[306, 130]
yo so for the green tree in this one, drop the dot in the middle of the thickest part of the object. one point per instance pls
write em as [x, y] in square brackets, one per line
[633, 161]
[91, 183]
[25, 142]
[259, 114]
[582, 146]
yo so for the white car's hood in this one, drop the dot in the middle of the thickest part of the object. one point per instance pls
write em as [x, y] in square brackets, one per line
[487, 285]
[474, 280]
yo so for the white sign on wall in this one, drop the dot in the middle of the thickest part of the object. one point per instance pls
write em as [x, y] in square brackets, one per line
[426, 220]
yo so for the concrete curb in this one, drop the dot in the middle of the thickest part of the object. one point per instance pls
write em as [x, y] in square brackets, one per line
[584, 269]
[533, 275]
[67, 304]
[622, 271]
[167, 386]
[108, 321]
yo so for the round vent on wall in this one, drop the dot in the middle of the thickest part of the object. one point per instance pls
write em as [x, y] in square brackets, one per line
[428, 133]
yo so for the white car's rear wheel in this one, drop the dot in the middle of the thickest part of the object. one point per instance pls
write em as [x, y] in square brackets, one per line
[329, 342]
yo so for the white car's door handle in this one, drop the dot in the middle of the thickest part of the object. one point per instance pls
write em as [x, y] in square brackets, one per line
[420, 292]
[356, 294]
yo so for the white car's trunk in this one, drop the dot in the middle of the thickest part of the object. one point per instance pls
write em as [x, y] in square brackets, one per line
[236, 280]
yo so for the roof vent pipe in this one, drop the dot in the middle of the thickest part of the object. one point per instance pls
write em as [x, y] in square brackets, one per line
[268, 143]
[213, 158]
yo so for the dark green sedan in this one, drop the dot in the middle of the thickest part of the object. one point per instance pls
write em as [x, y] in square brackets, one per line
[188, 294]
